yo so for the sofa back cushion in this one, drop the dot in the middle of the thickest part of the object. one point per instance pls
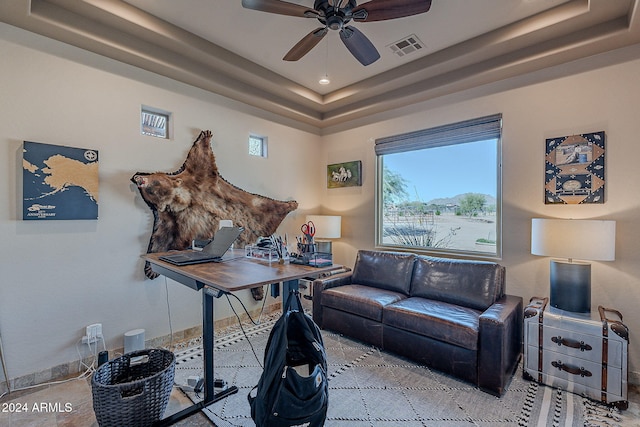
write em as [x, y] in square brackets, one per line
[384, 270]
[473, 284]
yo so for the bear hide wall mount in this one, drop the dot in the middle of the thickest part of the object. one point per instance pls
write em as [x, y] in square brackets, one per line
[189, 204]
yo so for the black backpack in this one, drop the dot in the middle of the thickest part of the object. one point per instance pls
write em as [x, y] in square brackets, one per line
[293, 389]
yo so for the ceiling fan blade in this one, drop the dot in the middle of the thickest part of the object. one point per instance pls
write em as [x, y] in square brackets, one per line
[382, 10]
[307, 43]
[359, 45]
[280, 7]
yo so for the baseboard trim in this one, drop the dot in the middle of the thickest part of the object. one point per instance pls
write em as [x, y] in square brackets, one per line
[177, 340]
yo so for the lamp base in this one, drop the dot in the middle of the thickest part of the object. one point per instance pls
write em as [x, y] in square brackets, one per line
[571, 286]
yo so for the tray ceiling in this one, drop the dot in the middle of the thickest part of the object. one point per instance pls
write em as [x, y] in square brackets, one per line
[219, 46]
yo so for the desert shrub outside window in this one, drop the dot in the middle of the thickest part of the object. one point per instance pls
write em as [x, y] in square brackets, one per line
[439, 189]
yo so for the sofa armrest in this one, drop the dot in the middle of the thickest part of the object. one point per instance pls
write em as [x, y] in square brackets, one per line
[321, 284]
[500, 343]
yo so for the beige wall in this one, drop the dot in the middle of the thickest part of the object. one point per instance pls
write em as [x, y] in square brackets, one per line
[605, 99]
[58, 277]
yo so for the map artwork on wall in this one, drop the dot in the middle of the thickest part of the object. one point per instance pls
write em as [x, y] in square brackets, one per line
[59, 182]
[574, 169]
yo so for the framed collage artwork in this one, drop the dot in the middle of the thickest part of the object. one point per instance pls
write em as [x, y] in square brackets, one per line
[574, 169]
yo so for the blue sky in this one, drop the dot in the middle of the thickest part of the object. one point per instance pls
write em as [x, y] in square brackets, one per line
[430, 172]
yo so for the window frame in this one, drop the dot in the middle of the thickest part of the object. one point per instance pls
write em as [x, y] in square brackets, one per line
[473, 130]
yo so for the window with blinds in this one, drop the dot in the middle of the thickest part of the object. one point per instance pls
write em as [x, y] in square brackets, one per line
[439, 189]
[154, 122]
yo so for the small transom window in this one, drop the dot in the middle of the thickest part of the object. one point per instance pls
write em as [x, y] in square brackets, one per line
[154, 122]
[257, 146]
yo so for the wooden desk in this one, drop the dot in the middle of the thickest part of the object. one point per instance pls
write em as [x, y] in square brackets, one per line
[215, 279]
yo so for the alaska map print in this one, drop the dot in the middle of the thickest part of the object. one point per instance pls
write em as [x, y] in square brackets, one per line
[59, 182]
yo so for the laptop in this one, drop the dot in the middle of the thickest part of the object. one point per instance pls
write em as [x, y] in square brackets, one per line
[213, 252]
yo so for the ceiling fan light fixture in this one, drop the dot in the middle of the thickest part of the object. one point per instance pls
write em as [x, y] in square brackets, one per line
[335, 22]
[336, 15]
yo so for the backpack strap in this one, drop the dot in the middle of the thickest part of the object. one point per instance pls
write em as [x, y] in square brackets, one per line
[249, 395]
[293, 297]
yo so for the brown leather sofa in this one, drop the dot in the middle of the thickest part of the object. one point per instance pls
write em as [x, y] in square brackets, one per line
[452, 315]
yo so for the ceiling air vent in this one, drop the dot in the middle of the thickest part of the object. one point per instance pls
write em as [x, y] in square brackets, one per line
[406, 46]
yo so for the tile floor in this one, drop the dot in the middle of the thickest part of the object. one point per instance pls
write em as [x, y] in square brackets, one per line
[70, 405]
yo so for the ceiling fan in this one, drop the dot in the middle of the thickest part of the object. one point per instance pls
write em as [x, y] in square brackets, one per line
[335, 15]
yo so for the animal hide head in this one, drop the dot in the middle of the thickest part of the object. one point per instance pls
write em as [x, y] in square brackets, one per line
[189, 204]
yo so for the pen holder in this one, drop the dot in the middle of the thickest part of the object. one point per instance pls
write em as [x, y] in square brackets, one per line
[306, 247]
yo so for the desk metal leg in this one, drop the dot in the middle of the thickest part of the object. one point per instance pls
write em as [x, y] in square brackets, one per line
[207, 344]
[208, 339]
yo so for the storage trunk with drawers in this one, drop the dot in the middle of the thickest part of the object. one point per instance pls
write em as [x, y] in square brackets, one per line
[581, 353]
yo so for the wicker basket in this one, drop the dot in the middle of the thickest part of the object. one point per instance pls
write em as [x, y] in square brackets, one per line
[134, 389]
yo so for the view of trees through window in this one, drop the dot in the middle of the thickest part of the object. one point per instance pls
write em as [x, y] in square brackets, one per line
[441, 198]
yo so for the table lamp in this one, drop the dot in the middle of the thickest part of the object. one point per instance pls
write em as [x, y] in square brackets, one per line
[570, 281]
[327, 227]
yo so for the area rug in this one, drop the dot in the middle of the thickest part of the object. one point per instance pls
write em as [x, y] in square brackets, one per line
[369, 387]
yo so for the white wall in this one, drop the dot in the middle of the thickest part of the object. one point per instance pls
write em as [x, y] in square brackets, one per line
[605, 99]
[59, 276]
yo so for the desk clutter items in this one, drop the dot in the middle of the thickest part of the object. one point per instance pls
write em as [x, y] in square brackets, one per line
[273, 248]
[309, 230]
[199, 244]
[262, 253]
[314, 259]
[307, 249]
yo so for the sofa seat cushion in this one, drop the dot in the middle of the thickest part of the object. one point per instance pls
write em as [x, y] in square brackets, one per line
[361, 300]
[439, 320]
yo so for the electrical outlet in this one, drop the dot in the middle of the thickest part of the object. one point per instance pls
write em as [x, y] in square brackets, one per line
[93, 333]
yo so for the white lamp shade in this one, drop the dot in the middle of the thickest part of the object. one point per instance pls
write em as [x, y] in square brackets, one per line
[593, 240]
[327, 226]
